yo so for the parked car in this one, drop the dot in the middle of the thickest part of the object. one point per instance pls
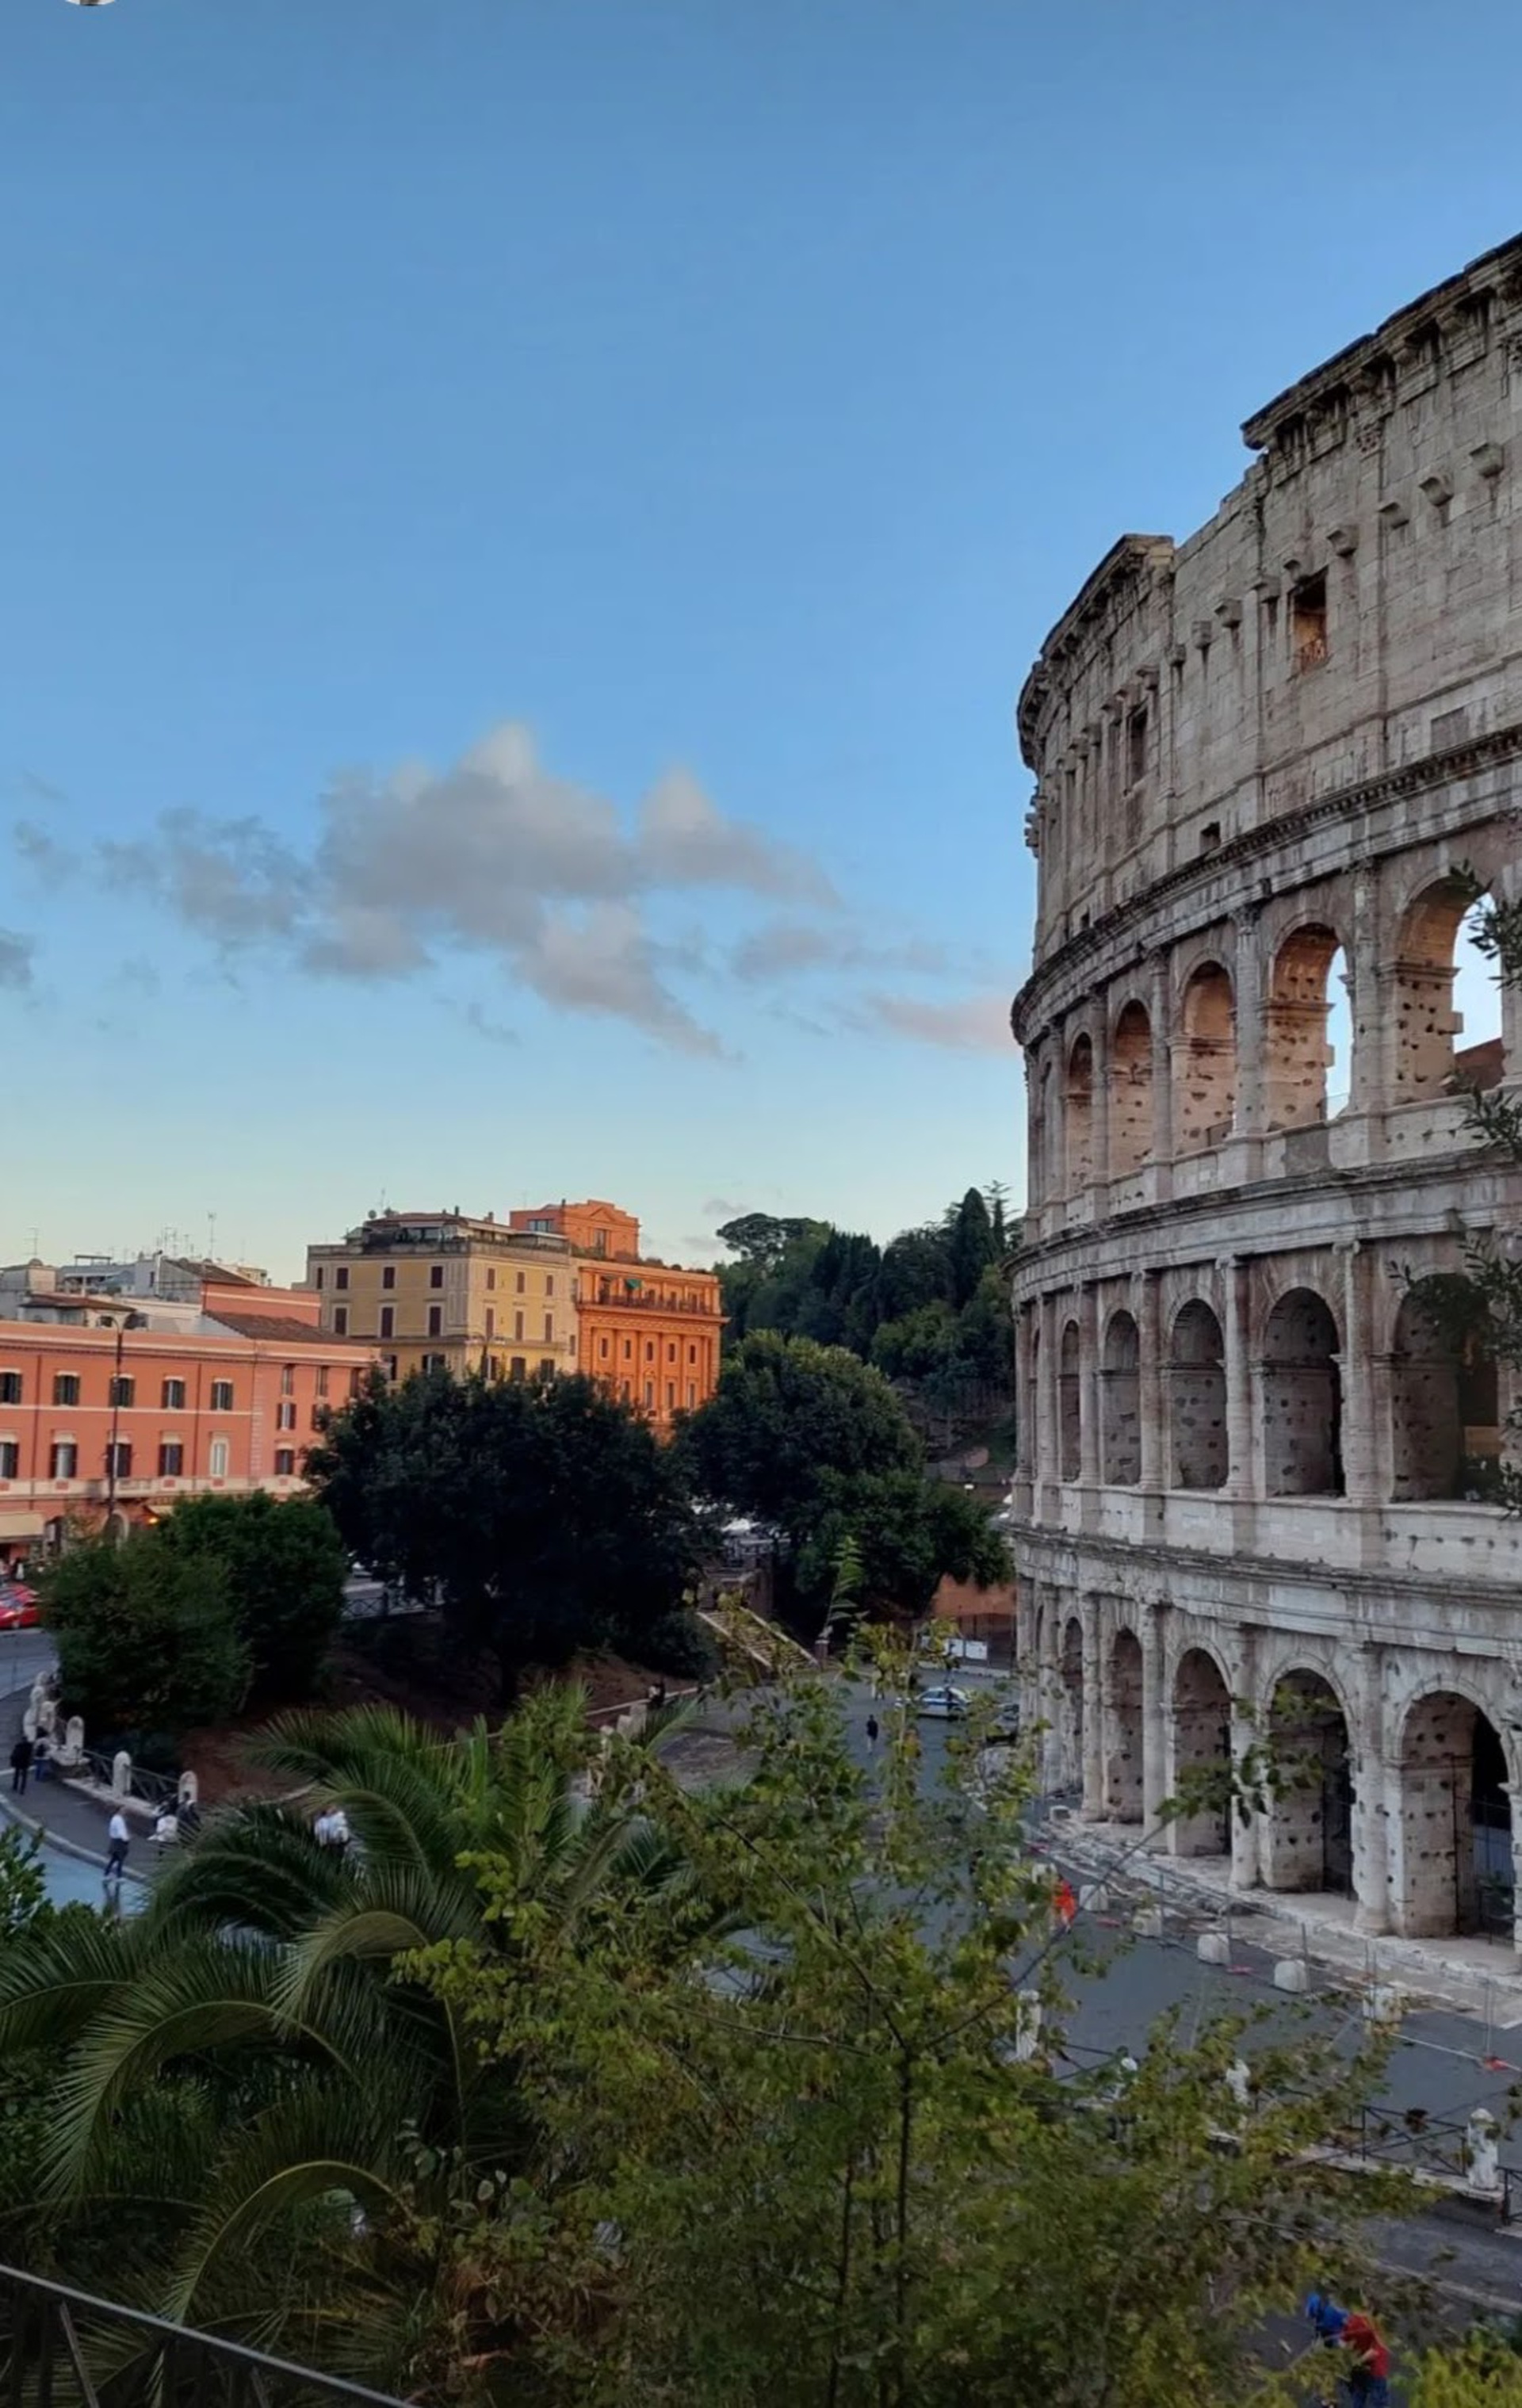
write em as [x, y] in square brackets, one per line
[945, 1704]
[18, 1608]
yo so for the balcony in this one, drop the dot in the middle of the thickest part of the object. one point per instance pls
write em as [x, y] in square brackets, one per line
[64, 2347]
[639, 1301]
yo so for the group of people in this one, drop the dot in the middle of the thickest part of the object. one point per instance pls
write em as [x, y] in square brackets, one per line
[1366, 2376]
[29, 1757]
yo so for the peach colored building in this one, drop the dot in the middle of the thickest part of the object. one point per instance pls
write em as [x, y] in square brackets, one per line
[648, 1330]
[106, 1417]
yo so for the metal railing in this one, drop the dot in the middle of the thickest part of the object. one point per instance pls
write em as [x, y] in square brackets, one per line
[61, 2348]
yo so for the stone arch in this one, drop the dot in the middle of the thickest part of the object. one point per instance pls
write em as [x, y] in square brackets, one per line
[1071, 1674]
[1426, 1021]
[1308, 1831]
[1070, 1402]
[1129, 1097]
[1303, 1399]
[1078, 1112]
[1298, 1055]
[1455, 1866]
[1123, 1781]
[1205, 1097]
[1120, 1390]
[1201, 1746]
[1199, 1452]
[1445, 1401]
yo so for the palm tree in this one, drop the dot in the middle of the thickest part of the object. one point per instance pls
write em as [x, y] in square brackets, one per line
[265, 2117]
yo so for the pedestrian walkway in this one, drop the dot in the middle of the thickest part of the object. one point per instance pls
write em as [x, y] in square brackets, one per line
[65, 1817]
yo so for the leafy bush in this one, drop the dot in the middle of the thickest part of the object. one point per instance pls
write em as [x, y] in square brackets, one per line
[285, 1564]
[146, 1635]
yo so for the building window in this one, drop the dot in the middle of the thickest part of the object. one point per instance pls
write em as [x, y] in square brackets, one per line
[434, 1363]
[436, 1274]
[356, 1382]
[1308, 622]
[550, 1284]
[1136, 746]
[285, 1417]
[490, 1278]
[171, 1459]
[517, 1324]
[692, 1393]
[221, 1396]
[340, 1277]
[549, 1330]
[119, 1460]
[62, 1456]
[629, 1350]
[217, 1458]
[623, 1390]
[285, 1462]
[692, 1354]
[340, 1321]
[671, 1354]
[322, 1379]
[496, 1366]
[172, 1396]
[388, 1365]
[66, 1387]
[602, 1348]
[491, 1321]
[649, 1350]
[522, 1282]
[670, 1396]
[388, 1276]
[123, 1390]
[288, 1379]
[388, 1321]
[317, 1276]
[517, 1366]
[10, 1459]
[649, 1395]
[436, 1320]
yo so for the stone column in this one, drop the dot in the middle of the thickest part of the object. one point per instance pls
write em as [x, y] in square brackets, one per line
[1360, 1479]
[1093, 1712]
[1036, 1167]
[1250, 1114]
[1154, 1716]
[1047, 1438]
[1150, 1385]
[1089, 1385]
[1051, 1686]
[1245, 1735]
[1376, 1796]
[1099, 1108]
[1239, 1382]
[1161, 1009]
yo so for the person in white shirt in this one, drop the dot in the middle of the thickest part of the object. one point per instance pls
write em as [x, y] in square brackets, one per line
[167, 1829]
[117, 1837]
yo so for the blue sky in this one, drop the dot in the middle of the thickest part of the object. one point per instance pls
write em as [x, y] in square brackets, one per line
[523, 528]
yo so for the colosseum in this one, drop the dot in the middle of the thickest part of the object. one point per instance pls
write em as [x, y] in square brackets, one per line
[1266, 759]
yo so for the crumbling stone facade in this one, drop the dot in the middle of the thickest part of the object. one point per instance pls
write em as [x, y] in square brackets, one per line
[1264, 759]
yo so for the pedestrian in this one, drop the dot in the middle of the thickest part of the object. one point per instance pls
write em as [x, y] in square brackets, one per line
[1369, 2385]
[166, 1829]
[41, 1754]
[872, 1731]
[118, 1838]
[1065, 1905]
[21, 1765]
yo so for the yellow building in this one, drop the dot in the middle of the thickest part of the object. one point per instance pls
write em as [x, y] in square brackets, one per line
[440, 1291]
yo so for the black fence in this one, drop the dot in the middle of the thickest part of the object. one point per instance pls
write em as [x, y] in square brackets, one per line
[60, 2348]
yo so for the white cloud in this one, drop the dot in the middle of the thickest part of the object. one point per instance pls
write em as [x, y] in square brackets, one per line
[16, 952]
[975, 1023]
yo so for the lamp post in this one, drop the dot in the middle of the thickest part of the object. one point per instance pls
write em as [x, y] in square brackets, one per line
[116, 1424]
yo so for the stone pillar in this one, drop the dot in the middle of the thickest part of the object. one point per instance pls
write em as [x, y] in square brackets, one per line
[1051, 1686]
[1154, 1717]
[1239, 1382]
[1359, 1481]
[1161, 1008]
[1035, 1166]
[1250, 1114]
[1089, 1385]
[1047, 1437]
[1099, 1108]
[1151, 1384]
[1376, 1796]
[1025, 1402]
[1245, 1735]
[1094, 1712]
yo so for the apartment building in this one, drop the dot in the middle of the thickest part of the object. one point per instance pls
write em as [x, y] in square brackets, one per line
[443, 1290]
[649, 1330]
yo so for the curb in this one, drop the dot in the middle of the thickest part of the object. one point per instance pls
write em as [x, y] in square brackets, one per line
[38, 1830]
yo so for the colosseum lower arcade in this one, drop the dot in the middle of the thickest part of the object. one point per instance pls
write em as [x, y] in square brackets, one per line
[1273, 762]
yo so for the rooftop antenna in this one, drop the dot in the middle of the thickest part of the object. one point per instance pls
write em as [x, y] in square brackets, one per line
[211, 1237]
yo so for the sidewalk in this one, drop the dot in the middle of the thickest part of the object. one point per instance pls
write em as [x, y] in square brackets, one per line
[65, 1817]
[1475, 1975]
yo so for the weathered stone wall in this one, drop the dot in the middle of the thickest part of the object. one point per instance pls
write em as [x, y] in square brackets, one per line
[1266, 758]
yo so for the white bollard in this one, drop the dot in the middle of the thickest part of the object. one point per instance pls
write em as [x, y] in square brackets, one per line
[1213, 1948]
[1292, 1973]
[1385, 2002]
[1483, 2153]
[121, 1774]
[1147, 1923]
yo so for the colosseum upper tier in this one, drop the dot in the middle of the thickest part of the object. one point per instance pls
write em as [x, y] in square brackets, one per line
[1268, 759]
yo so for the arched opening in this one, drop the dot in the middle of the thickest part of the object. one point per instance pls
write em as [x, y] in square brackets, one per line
[1205, 1101]
[1202, 1757]
[1445, 1396]
[1120, 1387]
[1130, 1091]
[1302, 1399]
[1197, 1399]
[1339, 1035]
[1079, 1115]
[1070, 1403]
[1456, 1822]
[1123, 1785]
[1447, 1001]
[1307, 1837]
[1299, 1036]
[1070, 1665]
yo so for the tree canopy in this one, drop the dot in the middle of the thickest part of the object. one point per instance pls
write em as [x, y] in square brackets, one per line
[146, 1635]
[284, 1565]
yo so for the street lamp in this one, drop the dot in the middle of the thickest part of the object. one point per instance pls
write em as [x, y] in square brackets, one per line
[116, 1424]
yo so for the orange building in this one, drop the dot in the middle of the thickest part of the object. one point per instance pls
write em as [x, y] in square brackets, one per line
[113, 1405]
[648, 1330]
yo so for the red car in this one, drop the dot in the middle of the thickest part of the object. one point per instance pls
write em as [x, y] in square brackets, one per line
[18, 1607]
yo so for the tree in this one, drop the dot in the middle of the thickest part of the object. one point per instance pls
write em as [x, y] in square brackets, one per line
[916, 1271]
[909, 1534]
[786, 1411]
[760, 1239]
[970, 1246]
[148, 1643]
[919, 1344]
[544, 1513]
[284, 1565]
[842, 2158]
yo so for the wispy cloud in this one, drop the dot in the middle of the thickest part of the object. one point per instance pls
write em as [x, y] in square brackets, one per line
[787, 948]
[16, 957]
[974, 1024]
